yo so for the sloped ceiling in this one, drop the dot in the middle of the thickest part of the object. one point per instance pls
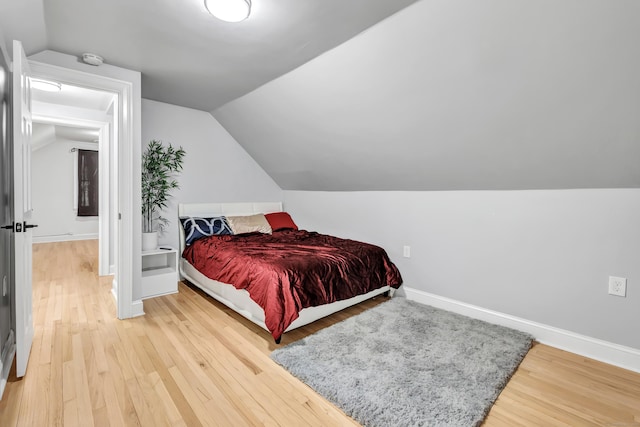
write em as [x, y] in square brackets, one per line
[24, 20]
[459, 95]
[186, 56]
[45, 134]
[74, 96]
[442, 95]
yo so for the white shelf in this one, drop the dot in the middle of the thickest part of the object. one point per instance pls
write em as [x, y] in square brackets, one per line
[157, 251]
[159, 272]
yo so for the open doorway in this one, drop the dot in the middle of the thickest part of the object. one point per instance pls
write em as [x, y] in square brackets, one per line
[125, 156]
[70, 123]
[60, 69]
[62, 159]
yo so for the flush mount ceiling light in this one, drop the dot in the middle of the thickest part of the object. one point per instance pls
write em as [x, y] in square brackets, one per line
[46, 85]
[229, 10]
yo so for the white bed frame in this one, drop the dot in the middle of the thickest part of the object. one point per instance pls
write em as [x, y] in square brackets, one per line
[238, 299]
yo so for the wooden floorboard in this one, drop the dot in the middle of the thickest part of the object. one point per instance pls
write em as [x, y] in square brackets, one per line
[191, 361]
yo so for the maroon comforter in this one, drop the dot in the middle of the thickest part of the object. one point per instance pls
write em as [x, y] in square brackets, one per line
[289, 270]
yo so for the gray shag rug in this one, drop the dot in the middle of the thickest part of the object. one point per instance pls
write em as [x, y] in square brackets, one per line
[407, 364]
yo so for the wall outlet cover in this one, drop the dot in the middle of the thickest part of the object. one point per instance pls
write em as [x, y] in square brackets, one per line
[618, 286]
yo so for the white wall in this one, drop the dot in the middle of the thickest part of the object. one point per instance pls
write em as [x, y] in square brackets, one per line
[544, 256]
[52, 189]
[216, 168]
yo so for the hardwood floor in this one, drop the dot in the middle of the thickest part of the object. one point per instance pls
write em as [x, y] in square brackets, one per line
[190, 361]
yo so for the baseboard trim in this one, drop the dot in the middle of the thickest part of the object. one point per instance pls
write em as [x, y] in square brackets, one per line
[64, 238]
[114, 290]
[604, 351]
[8, 353]
[137, 308]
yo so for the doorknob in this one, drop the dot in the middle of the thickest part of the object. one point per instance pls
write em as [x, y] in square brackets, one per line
[19, 227]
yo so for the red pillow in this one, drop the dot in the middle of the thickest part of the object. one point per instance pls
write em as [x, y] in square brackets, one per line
[280, 221]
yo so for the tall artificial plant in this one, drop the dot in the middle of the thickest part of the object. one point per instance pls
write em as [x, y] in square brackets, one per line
[159, 165]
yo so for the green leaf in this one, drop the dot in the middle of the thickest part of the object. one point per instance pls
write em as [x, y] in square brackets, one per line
[159, 165]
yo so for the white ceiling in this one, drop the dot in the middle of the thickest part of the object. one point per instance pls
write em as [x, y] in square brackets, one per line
[186, 56]
[45, 134]
[75, 96]
[77, 134]
[439, 95]
[79, 98]
[459, 95]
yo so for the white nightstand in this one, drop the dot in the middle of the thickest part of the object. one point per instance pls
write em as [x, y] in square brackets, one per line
[159, 272]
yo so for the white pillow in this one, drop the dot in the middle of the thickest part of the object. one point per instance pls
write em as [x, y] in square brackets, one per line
[249, 224]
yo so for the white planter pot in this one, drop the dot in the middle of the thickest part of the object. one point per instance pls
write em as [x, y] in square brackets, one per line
[150, 241]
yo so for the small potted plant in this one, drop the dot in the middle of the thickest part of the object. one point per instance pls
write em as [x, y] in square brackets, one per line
[160, 163]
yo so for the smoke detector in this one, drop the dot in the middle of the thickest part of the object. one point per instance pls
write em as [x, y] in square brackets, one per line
[92, 59]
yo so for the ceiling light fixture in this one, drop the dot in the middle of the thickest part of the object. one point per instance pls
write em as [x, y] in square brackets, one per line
[46, 85]
[229, 10]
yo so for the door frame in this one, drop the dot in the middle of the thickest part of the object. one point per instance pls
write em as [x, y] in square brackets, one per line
[125, 169]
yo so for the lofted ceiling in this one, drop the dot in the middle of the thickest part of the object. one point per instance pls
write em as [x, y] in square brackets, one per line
[434, 95]
[186, 56]
[459, 95]
[74, 96]
[45, 134]
[89, 101]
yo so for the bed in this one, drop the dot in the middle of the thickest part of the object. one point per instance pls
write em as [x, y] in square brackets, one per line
[259, 287]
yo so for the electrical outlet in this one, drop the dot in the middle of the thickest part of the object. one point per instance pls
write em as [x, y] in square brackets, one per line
[406, 251]
[618, 286]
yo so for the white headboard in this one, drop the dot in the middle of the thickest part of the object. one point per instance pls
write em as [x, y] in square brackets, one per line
[218, 209]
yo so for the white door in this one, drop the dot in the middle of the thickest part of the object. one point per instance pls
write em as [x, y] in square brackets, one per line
[22, 206]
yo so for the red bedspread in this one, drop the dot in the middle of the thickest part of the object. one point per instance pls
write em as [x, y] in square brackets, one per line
[289, 270]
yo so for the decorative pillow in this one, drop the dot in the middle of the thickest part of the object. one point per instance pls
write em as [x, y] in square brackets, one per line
[196, 228]
[280, 221]
[249, 224]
